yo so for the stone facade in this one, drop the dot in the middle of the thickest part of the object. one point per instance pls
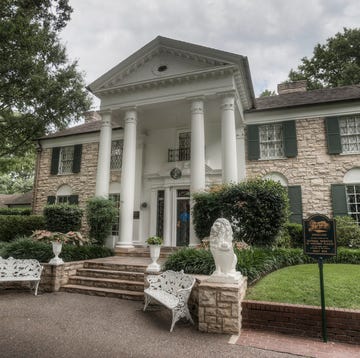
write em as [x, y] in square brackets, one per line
[312, 168]
[82, 184]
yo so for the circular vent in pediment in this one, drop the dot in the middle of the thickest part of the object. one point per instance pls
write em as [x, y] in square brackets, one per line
[160, 69]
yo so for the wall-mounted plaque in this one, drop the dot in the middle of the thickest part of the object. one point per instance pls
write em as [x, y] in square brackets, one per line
[175, 173]
[319, 236]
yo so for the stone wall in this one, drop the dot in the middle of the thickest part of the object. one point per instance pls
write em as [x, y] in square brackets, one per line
[55, 276]
[312, 168]
[343, 325]
[82, 184]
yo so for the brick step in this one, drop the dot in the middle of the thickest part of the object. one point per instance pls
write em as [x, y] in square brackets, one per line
[144, 251]
[105, 292]
[115, 274]
[114, 266]
[107, 283]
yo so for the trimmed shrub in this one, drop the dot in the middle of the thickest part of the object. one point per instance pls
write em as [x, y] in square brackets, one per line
[257, 210]
[100, 215]
[62, 217]
[26, 248]
[347, 232]
[15, 211]
[13, 226]
[296, 234]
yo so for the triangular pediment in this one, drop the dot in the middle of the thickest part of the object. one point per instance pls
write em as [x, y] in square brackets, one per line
[163, 58]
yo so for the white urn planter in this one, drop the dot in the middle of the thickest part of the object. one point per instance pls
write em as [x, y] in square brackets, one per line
[154, 254]
[56, 247]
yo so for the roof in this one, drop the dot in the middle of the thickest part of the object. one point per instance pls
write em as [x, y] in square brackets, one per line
[89, 127]
[328, 95]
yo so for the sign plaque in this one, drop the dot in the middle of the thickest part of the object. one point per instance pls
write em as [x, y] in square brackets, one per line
[319, 236]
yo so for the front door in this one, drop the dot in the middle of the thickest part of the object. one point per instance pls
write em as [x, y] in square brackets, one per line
[182, 217]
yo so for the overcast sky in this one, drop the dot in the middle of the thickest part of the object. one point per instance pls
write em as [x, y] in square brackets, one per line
[273, 34]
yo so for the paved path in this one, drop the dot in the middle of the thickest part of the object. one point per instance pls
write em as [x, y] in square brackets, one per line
[72, 325]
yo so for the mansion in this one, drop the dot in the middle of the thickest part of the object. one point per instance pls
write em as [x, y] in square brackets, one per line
[176, 118]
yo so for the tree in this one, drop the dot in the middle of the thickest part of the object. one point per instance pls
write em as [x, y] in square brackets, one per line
[267, 93]
[336, 63]
[40, 90]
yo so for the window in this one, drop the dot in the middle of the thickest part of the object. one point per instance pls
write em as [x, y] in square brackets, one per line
[350, 134]
[343, 134]
[182, 153]
[116, 154]
[160, 213]
[64, 195]
[271, 141]
[353, 201]
[66, 160]
[115, 198]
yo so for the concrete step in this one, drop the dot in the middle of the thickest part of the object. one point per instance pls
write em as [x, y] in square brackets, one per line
[114, 266]
[107, 283]
[112, 274]
[108, 292]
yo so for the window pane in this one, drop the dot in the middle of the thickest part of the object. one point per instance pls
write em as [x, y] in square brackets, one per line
[350, 134]
[353, 201]
[115, 227]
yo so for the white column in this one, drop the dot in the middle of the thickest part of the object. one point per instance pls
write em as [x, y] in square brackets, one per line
[240, 147]
[167, 217]
[197, 163]
[103, 165]
[128, 180]
[228, 140]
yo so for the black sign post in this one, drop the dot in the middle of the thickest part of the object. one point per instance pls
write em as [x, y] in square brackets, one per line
[319, 242]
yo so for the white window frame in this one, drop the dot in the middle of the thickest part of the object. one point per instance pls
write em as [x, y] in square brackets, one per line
[66, 160]
[353, 201]
[268, 137]
[349, 137]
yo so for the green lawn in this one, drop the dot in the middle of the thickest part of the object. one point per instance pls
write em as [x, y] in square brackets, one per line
[301, 285]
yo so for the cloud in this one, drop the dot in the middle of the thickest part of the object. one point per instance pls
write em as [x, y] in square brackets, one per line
[274, 34]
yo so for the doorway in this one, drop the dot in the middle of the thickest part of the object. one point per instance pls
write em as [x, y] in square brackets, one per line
[182, 217]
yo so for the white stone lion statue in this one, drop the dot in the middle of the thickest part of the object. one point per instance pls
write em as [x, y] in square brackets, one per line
[221, 237]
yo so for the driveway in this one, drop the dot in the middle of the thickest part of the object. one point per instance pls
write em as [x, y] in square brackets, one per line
[73, 325]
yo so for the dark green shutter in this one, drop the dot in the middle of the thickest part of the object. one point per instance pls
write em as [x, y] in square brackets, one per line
[51, 200]
[253, 142]
[77, 158]
[74, 199]
[55, 160]
[295, 201]
[290, 142]
[338, 197]
[333, 135]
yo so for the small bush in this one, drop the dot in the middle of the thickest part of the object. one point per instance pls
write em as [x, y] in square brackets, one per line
[256, 209]
[13, 211]
[100, 215]
[296, 234]
[25, 248]
[345, 256]
[13, 226]
[347, 232]
[62, 217]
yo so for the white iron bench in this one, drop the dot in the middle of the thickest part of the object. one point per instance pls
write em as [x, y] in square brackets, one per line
[12, 270]
[171, 289]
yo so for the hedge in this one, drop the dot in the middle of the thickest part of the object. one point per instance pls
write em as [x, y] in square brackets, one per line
[25, 248]
[257, 210]
[253, 263]
[12, 226]
[15, 211]
[62, 217]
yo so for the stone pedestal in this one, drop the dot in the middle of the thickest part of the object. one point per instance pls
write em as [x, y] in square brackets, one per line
[220, 306]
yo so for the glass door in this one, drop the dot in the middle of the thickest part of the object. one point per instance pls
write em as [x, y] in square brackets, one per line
[182, 217]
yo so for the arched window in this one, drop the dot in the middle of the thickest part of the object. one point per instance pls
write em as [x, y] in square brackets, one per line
[352, 185]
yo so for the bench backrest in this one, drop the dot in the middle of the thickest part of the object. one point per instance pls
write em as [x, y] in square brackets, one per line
[19, 268]
[171, 281]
